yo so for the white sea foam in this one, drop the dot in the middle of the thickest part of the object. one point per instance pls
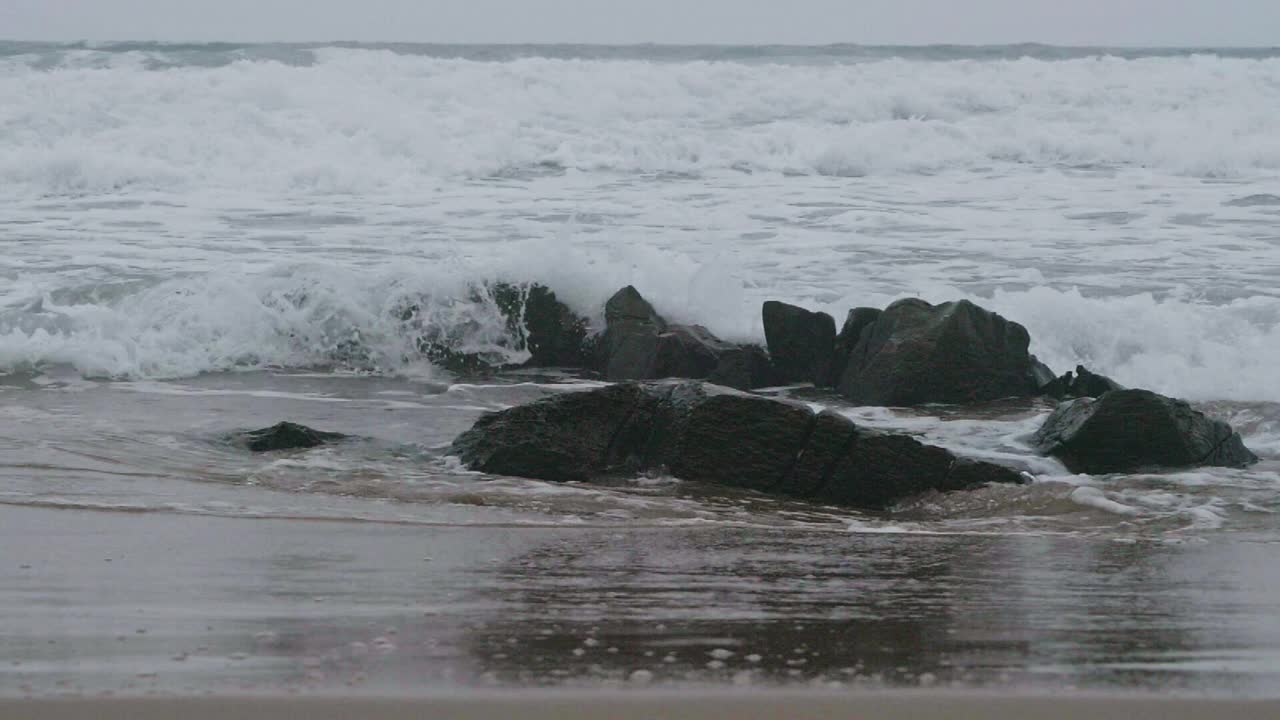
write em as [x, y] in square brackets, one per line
[324, 315]
[375, 121]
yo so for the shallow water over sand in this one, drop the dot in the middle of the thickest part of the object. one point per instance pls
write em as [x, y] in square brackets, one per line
[140, 552]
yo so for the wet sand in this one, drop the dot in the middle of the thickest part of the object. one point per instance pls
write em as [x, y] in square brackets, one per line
[174, 604]
[793, 705]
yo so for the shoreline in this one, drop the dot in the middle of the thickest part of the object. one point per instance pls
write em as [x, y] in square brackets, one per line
[536, 705]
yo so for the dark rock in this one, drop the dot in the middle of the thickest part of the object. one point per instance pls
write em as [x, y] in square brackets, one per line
[628, 305]
[830, 439]
[1128, 430]
[855, 322]
[285, 436]
[638, 344]
[688, 351]
[1080, 384]
[552, 333]
[1089, 384]
[1041, 374]
[967, 473]
[957, 352]
[801, 342]
[741, 440]
[630, 342]
[704, 432]
[563, 438]
[443, 355]
[536, 321]
[881, 468]
[745, 368]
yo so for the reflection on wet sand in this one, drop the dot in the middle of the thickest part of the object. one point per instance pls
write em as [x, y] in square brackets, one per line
[203, 603]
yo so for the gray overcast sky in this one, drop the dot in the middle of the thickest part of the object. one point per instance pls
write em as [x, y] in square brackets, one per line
[1082, 22]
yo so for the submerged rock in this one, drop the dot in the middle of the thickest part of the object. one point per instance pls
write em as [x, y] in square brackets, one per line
[1128, 430]
[1080, 384]
[801, 342]
[285, 436]
[704, 432]
[957, 352]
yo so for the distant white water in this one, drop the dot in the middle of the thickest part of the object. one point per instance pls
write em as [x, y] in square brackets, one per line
[375, 121]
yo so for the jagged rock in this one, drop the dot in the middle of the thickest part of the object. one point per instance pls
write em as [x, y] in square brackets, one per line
[1080, 384]
[801, 342]
[1128, 430]
[630, 342]
[704, 432]
[285, 436]
[745, 368]
[957, 352]
[638, 344]
[855, 322]
[1041, 374]
[553, 334]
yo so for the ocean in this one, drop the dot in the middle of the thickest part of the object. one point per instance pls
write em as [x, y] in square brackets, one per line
[198, 239]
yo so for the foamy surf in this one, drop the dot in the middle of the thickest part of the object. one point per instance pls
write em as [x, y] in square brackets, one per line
[323, 316]
[355, 120]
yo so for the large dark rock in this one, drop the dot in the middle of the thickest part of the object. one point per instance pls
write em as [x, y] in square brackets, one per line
[1041, 374]
[536, 321]
[630, 342]
[745, 368]
[639, 344]
[858, 319]
[562, 438]
[957, 352]
[740, 440]
[1080, 384]
[831, 438]
[688, 351]
[284, 436]
[882, 468]
[552, 333]
[704, 432]
[1128, 430]
[801, 342]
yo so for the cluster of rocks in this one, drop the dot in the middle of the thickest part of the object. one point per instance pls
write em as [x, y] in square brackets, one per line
[910, 353]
